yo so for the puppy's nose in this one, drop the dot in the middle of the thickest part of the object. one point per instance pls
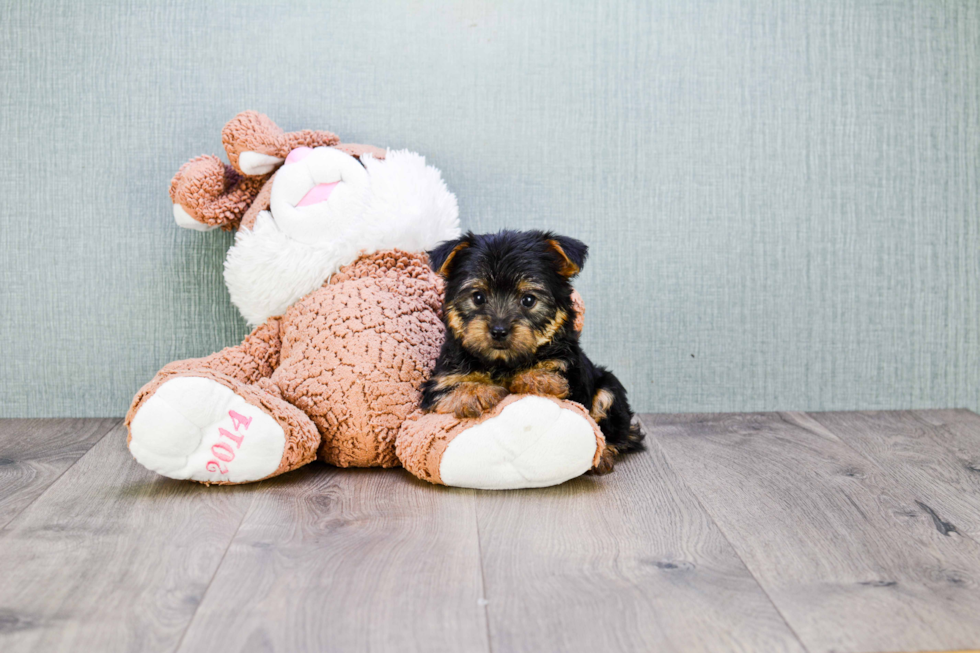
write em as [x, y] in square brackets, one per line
[498, 332]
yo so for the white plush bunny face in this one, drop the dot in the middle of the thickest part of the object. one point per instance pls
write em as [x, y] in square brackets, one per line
[319, 195]
[326, 209]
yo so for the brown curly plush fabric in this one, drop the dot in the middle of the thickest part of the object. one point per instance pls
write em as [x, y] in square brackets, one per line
[256, 357]
[251, 131]
[301, 434]
[355, 354]
[261, 203]
[213, 192]
[424, 437]
[343, 368]
[218, 194]
[245, 369]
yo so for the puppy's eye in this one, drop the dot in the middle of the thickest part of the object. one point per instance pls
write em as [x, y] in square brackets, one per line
[479, 298]
[527, 301]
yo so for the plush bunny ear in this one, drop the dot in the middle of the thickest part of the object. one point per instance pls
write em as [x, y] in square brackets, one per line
[257, 146]
[571, 253]
[208, 193]
[441, 258]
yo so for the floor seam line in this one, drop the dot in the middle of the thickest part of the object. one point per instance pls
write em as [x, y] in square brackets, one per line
[483, 578]
[721, 530]
[217, 568]
[119, 421]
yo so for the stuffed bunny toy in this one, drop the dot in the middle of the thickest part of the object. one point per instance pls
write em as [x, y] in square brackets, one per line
[329, 265]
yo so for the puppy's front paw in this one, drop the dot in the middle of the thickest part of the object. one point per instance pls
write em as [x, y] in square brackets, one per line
[607, 461]
[540, 382]
[470, 399]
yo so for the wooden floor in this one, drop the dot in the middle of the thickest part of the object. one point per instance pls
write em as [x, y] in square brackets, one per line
[749, 532]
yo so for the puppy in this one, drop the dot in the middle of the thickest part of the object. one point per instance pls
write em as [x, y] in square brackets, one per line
[509, 318]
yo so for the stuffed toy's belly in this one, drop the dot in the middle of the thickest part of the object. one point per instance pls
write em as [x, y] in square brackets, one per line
[356, 352]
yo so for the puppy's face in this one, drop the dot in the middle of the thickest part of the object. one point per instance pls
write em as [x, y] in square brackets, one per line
[508, 294]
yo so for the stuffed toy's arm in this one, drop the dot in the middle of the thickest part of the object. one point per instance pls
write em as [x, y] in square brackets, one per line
[255, 358]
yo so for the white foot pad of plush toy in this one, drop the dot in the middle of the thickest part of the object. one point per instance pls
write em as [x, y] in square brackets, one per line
[533, 442]
[198, 429]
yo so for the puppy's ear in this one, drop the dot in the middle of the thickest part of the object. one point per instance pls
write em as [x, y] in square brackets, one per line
[571, 254]
[441, 258]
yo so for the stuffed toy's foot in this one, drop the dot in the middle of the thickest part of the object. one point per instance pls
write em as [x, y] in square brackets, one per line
[526, 441]
[216, 430]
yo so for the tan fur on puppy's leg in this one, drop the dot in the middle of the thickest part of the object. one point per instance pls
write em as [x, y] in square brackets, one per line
[542, 379]
[601, 403]
[470, 399]
[607, 460]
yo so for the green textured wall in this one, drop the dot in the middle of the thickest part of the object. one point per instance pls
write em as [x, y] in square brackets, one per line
[781, 198]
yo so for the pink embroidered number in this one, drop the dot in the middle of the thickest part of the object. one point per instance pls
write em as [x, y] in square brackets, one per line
[239, 421]
[215, 466]
[228, 454]
[223, 451]
[234, 437]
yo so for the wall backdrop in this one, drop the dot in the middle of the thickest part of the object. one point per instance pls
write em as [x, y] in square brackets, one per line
[781, 197]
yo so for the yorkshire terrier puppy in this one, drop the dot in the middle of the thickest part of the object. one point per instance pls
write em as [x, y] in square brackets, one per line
[509, 318]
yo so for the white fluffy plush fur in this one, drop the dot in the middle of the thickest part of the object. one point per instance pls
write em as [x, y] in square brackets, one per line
[409, 203]
[408, 208]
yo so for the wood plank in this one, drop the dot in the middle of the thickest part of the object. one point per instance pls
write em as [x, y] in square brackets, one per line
[112, 557]
[35, 452]
[349, 560]
[850, 559]
[626, 562]
[936, 454]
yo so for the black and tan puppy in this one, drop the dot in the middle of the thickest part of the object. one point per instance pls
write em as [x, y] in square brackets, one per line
[509, 318]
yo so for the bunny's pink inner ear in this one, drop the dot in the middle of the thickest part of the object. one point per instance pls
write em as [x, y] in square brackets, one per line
[578, 305]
